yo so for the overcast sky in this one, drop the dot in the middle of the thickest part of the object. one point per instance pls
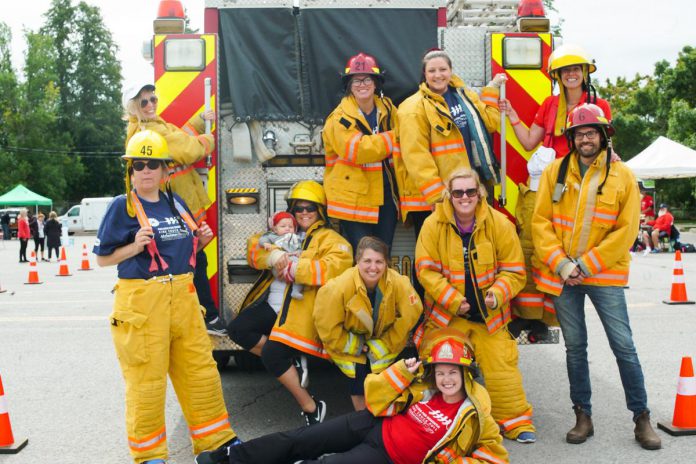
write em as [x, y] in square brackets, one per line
[624, 36]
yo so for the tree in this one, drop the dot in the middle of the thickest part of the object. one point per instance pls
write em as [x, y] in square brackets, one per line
[662, 104]
[88, 83]
[8, 107]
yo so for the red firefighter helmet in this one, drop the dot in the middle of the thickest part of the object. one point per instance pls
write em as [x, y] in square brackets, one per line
[588, 114]
[448, 346]
[362, 63]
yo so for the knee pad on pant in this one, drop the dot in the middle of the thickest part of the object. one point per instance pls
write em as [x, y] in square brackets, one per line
[276, 357]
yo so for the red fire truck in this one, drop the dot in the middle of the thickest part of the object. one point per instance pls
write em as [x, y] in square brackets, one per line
[272, 67]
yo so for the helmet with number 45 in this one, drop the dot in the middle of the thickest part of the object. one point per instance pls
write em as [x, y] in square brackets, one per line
[147, 145]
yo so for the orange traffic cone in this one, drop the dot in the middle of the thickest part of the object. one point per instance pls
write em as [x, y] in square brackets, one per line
[63, 271]
[8, 445]
[33, 273]
[678, 295]
[85, 260]
[684, 420]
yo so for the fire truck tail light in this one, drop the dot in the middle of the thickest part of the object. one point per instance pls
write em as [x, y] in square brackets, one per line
[522, 53]
[184, 54]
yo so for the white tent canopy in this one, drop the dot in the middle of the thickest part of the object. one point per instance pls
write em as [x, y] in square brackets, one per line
[664, 159]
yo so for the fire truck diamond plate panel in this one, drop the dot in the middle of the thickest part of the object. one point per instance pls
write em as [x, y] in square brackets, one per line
[467, 48]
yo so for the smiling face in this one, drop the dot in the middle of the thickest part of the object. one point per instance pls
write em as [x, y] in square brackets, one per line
[148, 111]
[362, 86]
[571, 76]
[305, 218]
[464, 207]
[371, 266]
[438, 74]
[448, 380]
[588, 142]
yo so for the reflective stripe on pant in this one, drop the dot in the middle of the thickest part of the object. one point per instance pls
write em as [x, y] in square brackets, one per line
[496, 355]
[158, 329]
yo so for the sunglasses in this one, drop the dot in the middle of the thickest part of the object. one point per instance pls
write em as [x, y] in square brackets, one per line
[153, 99]
[151, 165]
[471, 193]
[304, 209]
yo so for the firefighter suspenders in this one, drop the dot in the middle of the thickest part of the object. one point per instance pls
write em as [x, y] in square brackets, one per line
[152, 246]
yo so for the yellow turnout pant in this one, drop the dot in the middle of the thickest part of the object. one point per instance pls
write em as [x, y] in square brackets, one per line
[158, 329]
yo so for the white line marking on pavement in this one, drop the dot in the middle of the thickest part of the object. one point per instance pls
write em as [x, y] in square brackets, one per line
[52, 318]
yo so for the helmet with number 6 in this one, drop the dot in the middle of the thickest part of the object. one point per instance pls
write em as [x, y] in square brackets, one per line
[146, 145]
[588, 114]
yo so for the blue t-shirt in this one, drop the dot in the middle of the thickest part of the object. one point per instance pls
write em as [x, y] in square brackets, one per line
[456, 107]
[173, 243]
[372, 120]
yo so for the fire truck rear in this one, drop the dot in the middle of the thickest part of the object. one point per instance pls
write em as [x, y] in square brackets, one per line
[272, 70]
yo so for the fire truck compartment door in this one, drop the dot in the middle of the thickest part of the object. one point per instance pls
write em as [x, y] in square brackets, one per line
[277, 65]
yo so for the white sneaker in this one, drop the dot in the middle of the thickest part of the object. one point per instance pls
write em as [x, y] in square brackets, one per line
[646, 252]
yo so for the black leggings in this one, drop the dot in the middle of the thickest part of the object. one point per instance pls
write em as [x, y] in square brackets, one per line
[356, 438]
[39, 243]
[23, 242]
[55, 248]
[251, 324]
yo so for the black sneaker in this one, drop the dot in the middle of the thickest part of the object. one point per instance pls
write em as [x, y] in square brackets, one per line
[302, 370]
[220, 455]
[317, 416]
[216, 327]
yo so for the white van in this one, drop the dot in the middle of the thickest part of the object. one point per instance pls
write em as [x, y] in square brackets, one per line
[86, 216]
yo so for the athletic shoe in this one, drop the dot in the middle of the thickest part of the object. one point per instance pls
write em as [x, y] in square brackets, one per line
[302, 370]
[655, 250]
[216, 327]
[317, 416]
[220, 455]
[526, 437]
[155, 461]
[646, 252]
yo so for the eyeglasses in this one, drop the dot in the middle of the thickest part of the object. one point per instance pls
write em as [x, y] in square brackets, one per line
[360, 82]
[151, 165]
[304, 209]
[471, 193]
[153, 99]
[590, 135]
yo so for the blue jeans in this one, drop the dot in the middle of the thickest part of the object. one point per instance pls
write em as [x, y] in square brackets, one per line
[610, 304]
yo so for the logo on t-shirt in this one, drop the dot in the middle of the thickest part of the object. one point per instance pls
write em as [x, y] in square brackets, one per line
[168, 229]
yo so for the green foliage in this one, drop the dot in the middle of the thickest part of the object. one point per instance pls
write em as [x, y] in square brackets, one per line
[646, 107]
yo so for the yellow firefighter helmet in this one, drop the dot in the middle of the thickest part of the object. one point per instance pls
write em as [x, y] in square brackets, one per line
[569, 55]
[307, 190]
[147, 145]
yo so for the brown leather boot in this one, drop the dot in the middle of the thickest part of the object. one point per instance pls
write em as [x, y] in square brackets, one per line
[583, 427]
[645, 435]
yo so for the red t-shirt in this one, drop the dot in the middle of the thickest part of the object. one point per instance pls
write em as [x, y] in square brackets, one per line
[409, 436]
[546, 118]
[646, 205]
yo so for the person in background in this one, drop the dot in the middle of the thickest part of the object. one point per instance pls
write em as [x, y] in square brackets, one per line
[271, 323]
[364, 316]
[52, 229]
[585, 220]
[188, 145]
[469, 261]
[5, 221]
[23, 234]
[437, 414]
[659, 228]
[40, 237]
[647, 206]
[157, 323]
[359, 141]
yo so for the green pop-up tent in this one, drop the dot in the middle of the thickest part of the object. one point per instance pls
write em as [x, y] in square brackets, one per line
[22, 196]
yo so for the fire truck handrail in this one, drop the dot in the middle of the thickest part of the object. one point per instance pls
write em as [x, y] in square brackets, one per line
[493, 14]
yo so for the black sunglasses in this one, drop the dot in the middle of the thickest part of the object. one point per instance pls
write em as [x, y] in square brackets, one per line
[153, 99]
[304, 209]
[471, 193]
[151, 165]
